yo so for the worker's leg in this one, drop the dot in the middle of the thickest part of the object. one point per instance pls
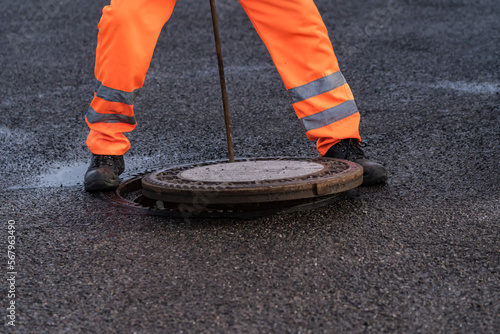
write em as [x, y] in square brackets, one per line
[128, 32]
[296, 37]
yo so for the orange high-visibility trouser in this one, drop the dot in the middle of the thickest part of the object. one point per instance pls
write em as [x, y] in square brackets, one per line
[292, 31]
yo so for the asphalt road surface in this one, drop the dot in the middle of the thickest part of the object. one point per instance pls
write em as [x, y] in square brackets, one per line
[421, 254]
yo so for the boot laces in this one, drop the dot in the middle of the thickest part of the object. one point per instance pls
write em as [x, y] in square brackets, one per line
[352, 149]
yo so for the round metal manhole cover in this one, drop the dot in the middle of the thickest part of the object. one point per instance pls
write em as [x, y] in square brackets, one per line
[250, 171]
[252, 181]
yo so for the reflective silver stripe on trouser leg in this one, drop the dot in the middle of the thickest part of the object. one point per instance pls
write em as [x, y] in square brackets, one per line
[113, 95]
[329, 116]
[95, 117]
[317, 87]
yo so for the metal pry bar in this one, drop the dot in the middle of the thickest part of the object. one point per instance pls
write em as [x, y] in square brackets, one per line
[222, 78]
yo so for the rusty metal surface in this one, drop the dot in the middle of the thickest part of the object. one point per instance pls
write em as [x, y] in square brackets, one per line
[130, 198]
[336, 176]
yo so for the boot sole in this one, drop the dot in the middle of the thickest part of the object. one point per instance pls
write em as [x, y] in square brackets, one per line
[101, 186]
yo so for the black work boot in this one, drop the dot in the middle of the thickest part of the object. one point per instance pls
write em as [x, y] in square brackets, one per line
[103, 173]
[349, 149]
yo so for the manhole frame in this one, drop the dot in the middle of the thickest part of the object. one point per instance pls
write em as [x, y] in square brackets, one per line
[336, 176]
[140, 204]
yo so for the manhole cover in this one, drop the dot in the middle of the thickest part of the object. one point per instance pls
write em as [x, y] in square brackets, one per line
[250, 182]
[250, 171]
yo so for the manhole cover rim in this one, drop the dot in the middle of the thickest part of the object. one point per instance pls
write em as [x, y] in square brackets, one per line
[311, 185]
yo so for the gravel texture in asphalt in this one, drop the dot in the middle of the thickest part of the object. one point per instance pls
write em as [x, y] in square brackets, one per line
[420, 254]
